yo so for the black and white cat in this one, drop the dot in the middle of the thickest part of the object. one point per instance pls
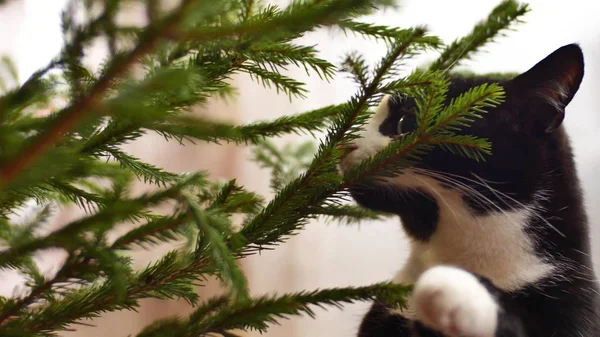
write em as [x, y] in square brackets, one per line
[499, 248]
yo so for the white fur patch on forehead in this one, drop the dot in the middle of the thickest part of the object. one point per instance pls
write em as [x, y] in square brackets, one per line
[371, 140]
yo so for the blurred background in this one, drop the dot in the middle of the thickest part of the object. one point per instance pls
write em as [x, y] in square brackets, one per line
[326, 255]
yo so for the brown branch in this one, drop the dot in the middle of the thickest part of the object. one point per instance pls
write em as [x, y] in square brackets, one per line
[453, 142]
[125, 240]
[137, 290]
[422, 140]
[66, 272]
[249, 6]
[424, 118]
[450, 118]
[75, 113]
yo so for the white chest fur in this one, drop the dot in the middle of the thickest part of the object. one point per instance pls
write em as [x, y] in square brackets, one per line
[495, 245]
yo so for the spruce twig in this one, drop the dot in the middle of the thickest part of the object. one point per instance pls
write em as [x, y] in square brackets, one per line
[272, 224]
[72, 115]
[501, 18]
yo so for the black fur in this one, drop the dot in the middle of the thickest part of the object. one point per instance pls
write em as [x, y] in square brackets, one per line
[531, 152]
[379, 322]
[418, 210]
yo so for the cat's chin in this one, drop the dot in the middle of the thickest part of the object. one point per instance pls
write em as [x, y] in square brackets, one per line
[370, 195]
[416, 207]
[363, 200]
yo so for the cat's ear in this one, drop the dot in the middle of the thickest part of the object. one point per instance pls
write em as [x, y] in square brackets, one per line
[544, 91]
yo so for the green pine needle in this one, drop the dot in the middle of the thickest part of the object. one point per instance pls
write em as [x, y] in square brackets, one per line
[348, 214]
[506, 14]
[218, 316]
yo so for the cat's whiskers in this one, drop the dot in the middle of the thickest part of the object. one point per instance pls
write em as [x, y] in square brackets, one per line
[501, 196]
[451, 65]
[480, 199]
[434, 190]
[581, 252]
[535, 214]
[473, 193]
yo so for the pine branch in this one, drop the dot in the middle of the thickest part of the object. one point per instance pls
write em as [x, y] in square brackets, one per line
[264, 310]
[462, 110]
[186, 57]
[232, 198]
[72, 115]
[179, 128]
[348, 214]
[117, 132]
[275, 56]
[356, 65]
[408, 150]
[68, 236]
[160, 229]
[83, 267]
[464, 145]
[13, 307]
[229, 199]
[218, 317]
[286, 163]
[210, 131]
[171, 277]
[288, 85]
[212, 231]
[146, 172]
[298, 17]
[288, 211]
[501, 18]
[249, 6]
[86, 200]
[388, 34]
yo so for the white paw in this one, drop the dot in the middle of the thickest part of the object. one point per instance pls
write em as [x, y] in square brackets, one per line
[453, 302]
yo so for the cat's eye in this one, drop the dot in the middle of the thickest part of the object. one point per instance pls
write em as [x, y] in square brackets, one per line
[407, 124]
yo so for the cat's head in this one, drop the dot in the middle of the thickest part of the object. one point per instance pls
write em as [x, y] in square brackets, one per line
[525, 131]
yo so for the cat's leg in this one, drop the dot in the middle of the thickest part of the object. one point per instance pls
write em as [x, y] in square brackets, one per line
[457, 303]
[380, 321]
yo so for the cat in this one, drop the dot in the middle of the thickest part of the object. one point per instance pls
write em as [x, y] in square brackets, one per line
[498, 247]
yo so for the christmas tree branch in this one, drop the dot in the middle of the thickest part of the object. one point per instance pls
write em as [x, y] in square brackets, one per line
[299, 17]
[118, 210]
[217, 316]
[288, 210]
[206, 130]
[349, 214]
[160, 229]
[401, 154]
[171, 277]
[72, 115]
[388, 34]
[67, 271]
[212, 231]
[501, 18]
